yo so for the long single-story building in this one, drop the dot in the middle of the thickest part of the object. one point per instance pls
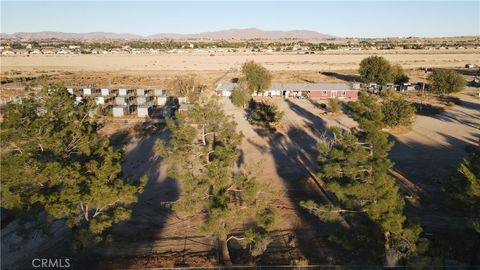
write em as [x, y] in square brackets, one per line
[310, 90]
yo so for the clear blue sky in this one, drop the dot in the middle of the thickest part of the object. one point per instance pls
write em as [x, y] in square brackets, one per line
[346, 19]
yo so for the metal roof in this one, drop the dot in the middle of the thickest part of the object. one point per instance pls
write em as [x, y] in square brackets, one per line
[309, 86]
[293, 86]
[226, 86]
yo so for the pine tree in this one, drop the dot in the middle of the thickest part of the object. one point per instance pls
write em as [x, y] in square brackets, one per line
[355, 169]
[201, 154]
[54, 162]
[464, 186]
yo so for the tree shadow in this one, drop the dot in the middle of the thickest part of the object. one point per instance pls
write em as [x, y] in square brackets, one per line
[135, 238]
[343, 77]
[294, 153]
[429, 166]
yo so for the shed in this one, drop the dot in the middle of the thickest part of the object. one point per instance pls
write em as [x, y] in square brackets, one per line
[182, 100]
[122, 91]
[70, 90]
[119, 111]
[143, 111]
[225, 89]
[140, 92]
[161, 101]
[120, 101]
[158, 92]
[105, 91]
[87, 91]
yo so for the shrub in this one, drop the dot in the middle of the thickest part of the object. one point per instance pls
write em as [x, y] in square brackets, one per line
[334, 105]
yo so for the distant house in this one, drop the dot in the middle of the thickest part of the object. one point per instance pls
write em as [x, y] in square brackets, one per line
[311, 90]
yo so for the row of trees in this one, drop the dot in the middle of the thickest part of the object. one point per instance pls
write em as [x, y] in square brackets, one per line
[377, 69]
[55, 167]
[355, 167]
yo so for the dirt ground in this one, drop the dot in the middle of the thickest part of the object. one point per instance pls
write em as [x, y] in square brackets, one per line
[425, 155]
[322, 61]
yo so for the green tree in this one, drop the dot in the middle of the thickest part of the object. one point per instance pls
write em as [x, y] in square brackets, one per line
[241, 95]
[201, 154]
[464, 186]
[265, 114]
[398, 112]
[257, 77]
[398, 74]
[375, 69]
[54, 163]
[355, 168]
[445, 81]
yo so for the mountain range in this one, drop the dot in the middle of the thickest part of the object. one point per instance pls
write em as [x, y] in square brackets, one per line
[247, 33]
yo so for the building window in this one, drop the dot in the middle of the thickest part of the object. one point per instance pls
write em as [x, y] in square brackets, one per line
[324, 93]
[344, 93]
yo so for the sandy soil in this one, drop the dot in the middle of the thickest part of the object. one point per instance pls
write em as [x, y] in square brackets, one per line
[201, 62]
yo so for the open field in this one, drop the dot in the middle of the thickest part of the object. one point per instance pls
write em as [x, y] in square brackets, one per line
[331, 60]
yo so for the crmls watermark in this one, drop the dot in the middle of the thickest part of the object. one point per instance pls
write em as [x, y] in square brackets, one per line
[51, 263]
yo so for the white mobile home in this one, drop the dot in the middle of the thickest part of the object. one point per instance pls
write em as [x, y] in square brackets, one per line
[120, 101]
[122, 91]
[158, 92]
[142, 111]
[140, 92]
[182, 100]
[105, 92]
[87, 91]
[161, 101]
[119, 111]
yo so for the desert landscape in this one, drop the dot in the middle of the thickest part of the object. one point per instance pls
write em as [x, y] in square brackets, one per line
[259, 149]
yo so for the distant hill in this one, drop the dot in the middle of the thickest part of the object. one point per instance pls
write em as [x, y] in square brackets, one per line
[248, 33]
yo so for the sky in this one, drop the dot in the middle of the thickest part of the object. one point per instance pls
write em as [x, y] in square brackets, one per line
[343, 19]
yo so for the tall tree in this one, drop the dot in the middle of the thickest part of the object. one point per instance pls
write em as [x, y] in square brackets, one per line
[201, 154]
[54, 163]
[464, 186]
[355, 168]
[186, 86]
[375, 69]
[257, 77]
[446, 81]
